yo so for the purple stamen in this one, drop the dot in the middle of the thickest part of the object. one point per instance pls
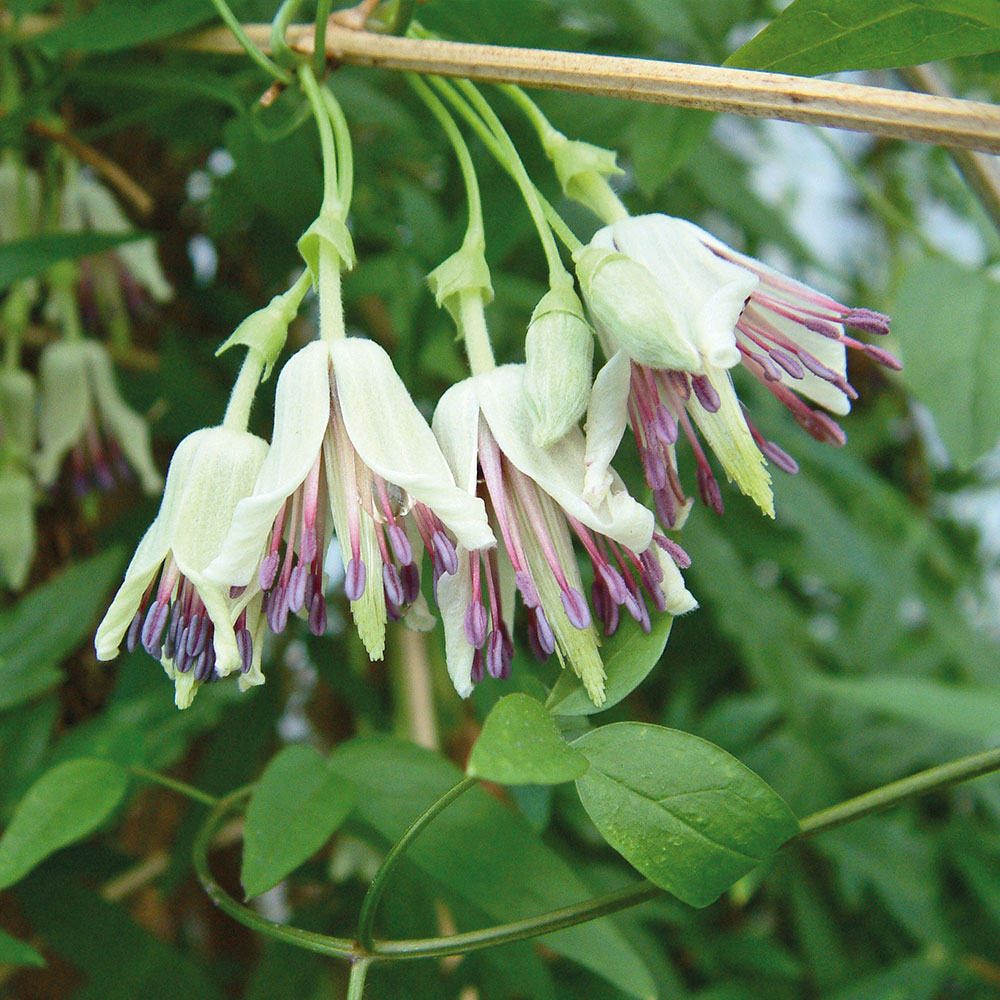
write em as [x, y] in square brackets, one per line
[134, 632]
[706, 393]
[277, 608]
[317, 615]
[244, 643]
[355, 579]
[867, 320]
[790, 363]
[613, 582]
[202, 667]
[478, 672]
[882, 357]
[664, 425]
[655, 468]
[576, 608]
[268, 570]
[651, 566]
[611, 620]
[672, 549]
[817, 368]
[400, 544]
[526, 587]
[708, 489]
[152, 629]
[497, 659]
[679, 383]
[182, 661]
[411, 582]
[543, 633]
[297, 588]
[476, 623]
[779, 457]
[393, 584]
[444, 552]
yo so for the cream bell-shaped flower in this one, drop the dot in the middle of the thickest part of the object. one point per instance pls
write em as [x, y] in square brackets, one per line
[83, 415]
[724, 309]
[192, 625]
[536, 501]
[350, 444]
[17, 489]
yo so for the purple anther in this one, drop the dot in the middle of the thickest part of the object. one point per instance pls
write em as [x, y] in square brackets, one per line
[526, 587]
[244, 644]
[202, 668]
[655, 468]
[235, 592]
[393, 584]
[672, 549]
[182, 662]
[400, 545]
[706, 393]
[828, 429]
[779, 457]
[444, 552]
[268, 570]
[102, 475]
[497, 662]
[317, 615]
[355, 579]
[658, 597]
[410, 576]
[882, 357]
[600, 599]
[666, 508]
[611, 620]
[708, 489]
[817, 367]
[634, 606]
[198, 633]
[613, 581]
[476, 623]
[576, 608]
[789, 362]
[651, 567]
[277, 609]
[664, 425]
[680, 383]
[152, 629]
[771, 371]
[297, 588]
[308, 543]
[534, 644]
[393, 611]
[821, 326]
[868, 320]
[544, 634]
[478, 671]
[134, 632]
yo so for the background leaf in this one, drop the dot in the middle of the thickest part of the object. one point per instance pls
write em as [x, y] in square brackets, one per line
[689, 816]
[297, 805]
[66, 804]
[15, 952]
[33, 256]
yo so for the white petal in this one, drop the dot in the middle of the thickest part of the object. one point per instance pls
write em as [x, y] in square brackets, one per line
[301, 415]
[129, 428]
[65, 405]
[559, 470]
[679, 599]
[607, 416]
[708, 293]
[456, 427]
[17, 411]
[454, 591]
[394, 440]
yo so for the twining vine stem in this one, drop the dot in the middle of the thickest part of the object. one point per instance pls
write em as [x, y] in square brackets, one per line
[369, 950]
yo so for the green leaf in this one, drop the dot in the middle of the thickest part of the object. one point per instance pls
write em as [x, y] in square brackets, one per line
[629, 655]
[63, 806]
[42, 628]
[964, 711]
[660, 139]
[948, 320]
[15, 952]
[826, 36]
[689, 816]
[481, 853]
[521, 745]
[298, 803]
[121, 24]
[984, 11]
[31, 257]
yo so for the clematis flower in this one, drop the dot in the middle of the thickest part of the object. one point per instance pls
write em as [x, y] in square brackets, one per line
[676, 310]
[535, 498]
[348, 442]
[83, 415]
[167, 604]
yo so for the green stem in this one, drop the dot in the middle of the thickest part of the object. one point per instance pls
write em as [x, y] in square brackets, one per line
[366, 919]
[356, 982]
[963, 769]
[267, 65]
[279, 47]
[241, 398]
[404, 15]
[474, 232]
[331, 305]
[320, 943]
[331, 186]
[177, 786]
[342, 134]
[319, 36]
[475, 333]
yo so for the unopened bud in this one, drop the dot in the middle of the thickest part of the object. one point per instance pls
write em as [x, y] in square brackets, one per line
[559, 350]
[583, 170]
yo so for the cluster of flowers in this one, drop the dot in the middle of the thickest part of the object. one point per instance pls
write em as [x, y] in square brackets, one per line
[503, 490]
[72, 415]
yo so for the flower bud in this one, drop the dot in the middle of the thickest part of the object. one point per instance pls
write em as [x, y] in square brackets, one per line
[17, 413]
[559, 350]
[627, 302]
